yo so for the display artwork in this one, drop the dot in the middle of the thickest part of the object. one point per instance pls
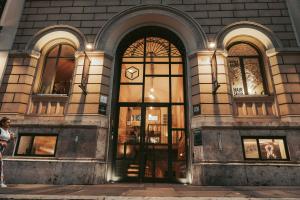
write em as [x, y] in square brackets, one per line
[271, 149]
[250, 147]
[265, 148]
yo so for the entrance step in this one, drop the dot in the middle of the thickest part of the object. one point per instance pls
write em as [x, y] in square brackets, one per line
[133, 170]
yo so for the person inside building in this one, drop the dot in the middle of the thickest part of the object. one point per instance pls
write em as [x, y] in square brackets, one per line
[5, 137]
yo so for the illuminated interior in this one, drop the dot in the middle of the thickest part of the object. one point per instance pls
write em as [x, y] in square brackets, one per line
[151, 142]
[33, 145]
[58, 70]
[244, 64]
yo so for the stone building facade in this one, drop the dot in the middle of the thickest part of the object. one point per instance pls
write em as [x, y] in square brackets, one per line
[205, 92]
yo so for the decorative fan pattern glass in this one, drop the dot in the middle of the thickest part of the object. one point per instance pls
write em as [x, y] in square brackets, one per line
[155, 47]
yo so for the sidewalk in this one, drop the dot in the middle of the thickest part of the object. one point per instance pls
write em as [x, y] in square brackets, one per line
[148, 191]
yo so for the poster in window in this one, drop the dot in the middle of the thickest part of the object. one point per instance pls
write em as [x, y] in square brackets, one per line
[251, 149]
[272, 149]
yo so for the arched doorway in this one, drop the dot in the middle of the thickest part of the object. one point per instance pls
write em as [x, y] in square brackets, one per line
[150, 107]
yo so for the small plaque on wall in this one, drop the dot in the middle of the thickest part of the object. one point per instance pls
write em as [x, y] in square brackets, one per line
[102, 109]
[196, 109]
[197, 137]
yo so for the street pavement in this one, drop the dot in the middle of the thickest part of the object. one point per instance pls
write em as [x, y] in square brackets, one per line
[148, 191]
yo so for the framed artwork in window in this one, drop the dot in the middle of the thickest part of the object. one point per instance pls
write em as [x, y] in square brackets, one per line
[265, 148]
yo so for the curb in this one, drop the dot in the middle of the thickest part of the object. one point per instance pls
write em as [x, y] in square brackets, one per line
[71, 197]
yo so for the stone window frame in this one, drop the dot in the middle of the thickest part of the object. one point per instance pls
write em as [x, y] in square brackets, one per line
[257, 138]
[33, 135]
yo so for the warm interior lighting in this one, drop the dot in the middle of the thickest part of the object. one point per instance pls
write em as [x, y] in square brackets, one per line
[152, 90]
[151, 96]
[89, 46]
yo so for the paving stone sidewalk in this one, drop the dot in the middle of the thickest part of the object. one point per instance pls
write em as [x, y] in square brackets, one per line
[150, 191]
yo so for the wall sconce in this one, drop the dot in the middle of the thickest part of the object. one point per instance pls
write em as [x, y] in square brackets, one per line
[212, 45]
[89, 46]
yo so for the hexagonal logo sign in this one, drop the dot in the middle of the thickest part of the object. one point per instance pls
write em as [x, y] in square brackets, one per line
[132, 73]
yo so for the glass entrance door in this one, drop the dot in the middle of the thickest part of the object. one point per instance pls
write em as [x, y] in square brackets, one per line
[150, 126]
[143, 143]
[156, 144]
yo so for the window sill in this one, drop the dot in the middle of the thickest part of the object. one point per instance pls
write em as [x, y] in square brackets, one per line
[253, 98]
[48, 104]
[259, 106]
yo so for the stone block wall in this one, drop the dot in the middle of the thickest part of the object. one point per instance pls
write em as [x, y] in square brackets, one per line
[202, 87]
[286, 75]
[89, 16]
[17, 83]
[98, 84]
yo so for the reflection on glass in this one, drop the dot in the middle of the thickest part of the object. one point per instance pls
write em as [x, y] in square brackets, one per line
[64, 74]
[156, 89]
[236, 76]
[253, 76]
[24, 145]
[58, 70]
[153, 68]
[177, 89]
[251, 149]
[53, 52]
[178, 116]
[44, 145]
[67, 51]
[132, 73]
[130, 93]
[272, 149]
[47, 81]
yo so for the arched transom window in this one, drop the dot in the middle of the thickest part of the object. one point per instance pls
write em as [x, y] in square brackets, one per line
[246, 70]
[58, 70]
[156, 64]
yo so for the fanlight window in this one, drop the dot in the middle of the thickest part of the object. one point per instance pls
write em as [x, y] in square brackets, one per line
[151, 72]
[244, 63]
[58, 70]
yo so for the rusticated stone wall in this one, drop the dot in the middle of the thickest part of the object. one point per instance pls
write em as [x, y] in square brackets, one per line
[212, 15]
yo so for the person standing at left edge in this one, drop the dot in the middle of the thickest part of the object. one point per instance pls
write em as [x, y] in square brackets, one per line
[5, 137]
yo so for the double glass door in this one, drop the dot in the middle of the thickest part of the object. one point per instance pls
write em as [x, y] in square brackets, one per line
[147, 148]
